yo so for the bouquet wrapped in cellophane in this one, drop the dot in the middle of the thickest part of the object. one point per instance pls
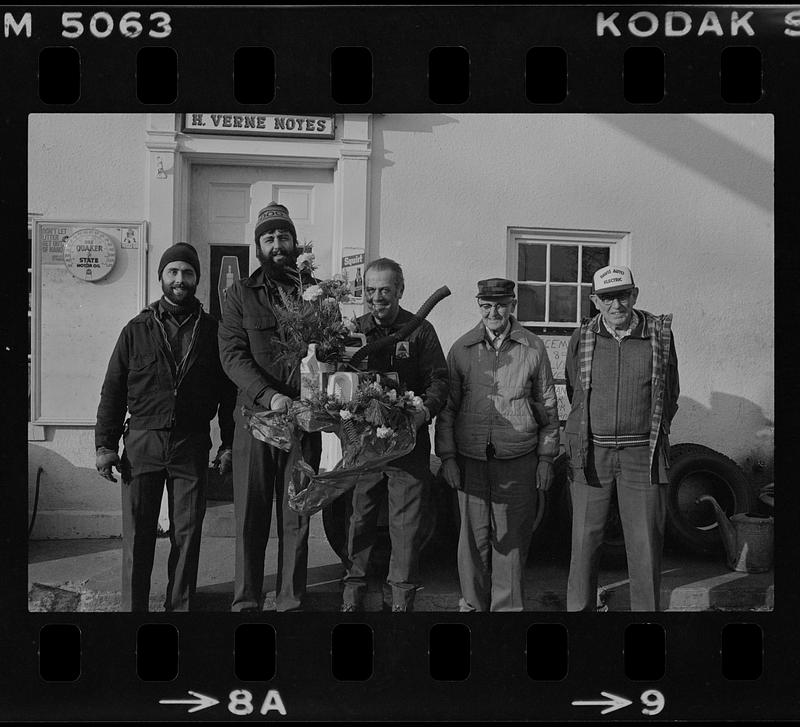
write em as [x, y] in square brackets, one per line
[375, 427]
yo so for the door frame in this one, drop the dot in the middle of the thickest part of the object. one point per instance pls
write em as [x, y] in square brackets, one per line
[172, 154]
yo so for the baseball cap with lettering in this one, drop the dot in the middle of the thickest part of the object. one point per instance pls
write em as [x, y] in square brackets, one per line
[611, 279]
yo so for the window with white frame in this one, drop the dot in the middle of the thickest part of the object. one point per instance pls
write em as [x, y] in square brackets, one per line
[553, 270]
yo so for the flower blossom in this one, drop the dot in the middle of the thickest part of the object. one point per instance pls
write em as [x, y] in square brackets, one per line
[416, 402]
[391, 395]
[384, 432]
[306, 260]
[312, 292]
[345, 414]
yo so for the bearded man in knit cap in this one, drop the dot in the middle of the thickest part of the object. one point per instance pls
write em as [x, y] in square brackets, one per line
[622, 381]
[261, 473]
[165, 372]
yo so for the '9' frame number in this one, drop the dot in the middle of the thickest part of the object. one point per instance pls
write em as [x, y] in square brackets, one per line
[653, 702]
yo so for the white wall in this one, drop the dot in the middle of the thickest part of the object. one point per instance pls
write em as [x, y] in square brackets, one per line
[86, 165]
[695, 192]
[80, 166]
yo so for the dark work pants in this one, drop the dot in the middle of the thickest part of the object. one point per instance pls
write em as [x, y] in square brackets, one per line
[407, 497]
[260, 474]
[150, 459]
[642, 510]
[498, 507]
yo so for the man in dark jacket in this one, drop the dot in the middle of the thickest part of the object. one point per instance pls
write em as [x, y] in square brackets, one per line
[421, 366]
[250, 354]
[622, 381]
[165, 373]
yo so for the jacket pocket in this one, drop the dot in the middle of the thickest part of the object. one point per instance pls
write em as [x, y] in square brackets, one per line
[140, 361]
[143, 381]
[259, 323]
[261, 331]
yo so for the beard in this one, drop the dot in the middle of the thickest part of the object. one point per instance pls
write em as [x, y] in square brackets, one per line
[179, 294]
[277, 268]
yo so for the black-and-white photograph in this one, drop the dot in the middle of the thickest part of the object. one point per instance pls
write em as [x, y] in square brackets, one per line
[372, 362]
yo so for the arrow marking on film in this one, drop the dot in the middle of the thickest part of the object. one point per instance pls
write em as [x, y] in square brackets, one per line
[201, 701]
[611, 703]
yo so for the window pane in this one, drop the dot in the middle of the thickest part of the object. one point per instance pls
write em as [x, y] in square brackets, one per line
[563, 303]
[531, 302]
[594, 258]
[564, 263]
[532, 262]
[587, 307]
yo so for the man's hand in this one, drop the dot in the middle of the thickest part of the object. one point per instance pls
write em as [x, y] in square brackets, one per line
[544, 475]
[105, 460]
[225, 459]
[451, 473]
[280, 402]
[421, 417]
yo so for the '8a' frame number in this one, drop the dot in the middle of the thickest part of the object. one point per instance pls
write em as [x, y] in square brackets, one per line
[240, 703]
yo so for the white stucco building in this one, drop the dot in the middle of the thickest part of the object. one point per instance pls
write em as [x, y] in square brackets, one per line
[685, 200]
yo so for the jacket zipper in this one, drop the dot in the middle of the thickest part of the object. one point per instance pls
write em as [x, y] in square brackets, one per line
[616, 408]
[177, 381]
[489, 446]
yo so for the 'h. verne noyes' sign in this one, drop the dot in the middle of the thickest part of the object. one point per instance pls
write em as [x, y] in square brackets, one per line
[261, 124]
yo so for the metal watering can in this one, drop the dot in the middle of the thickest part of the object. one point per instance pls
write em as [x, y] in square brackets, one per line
[748, 538]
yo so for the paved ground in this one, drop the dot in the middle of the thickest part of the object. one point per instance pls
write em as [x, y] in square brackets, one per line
[83, 575]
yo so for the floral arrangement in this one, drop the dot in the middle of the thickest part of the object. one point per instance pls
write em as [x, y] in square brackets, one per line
[314, 316]
[375, 427]
[375, 419]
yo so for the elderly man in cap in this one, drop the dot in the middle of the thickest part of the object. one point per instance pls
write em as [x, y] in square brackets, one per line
[622, 381]
[497, 438]
[165, 372]
[261, 473]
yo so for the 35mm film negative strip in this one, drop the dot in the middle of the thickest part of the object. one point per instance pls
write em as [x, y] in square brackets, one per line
[553, 236]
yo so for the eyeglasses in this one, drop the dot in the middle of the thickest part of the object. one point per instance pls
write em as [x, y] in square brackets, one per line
[607, 298]
[487, 307]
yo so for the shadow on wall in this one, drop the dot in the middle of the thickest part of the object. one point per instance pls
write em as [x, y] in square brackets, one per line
[696, 146]
[381, 159]
[63, 485]
[729, 418]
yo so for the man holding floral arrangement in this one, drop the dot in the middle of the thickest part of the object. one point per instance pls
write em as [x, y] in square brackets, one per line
[267, 380]
[421, 367]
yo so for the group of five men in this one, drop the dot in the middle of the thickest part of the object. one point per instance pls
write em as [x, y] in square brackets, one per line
[497, 433]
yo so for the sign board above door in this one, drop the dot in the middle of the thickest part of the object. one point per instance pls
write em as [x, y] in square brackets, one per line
[321, 127]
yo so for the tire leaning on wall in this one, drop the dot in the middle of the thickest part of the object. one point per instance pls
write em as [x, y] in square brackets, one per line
[696, 470]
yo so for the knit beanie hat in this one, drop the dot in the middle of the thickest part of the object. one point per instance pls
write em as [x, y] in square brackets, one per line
[274, 217]
[182, 251]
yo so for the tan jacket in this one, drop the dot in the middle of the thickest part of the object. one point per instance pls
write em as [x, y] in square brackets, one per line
[497, 397]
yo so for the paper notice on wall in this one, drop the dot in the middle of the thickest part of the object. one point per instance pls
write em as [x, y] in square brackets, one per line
[52, 239]
[353, 273]
[556, 347]
[128, 239]
[557, 353]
